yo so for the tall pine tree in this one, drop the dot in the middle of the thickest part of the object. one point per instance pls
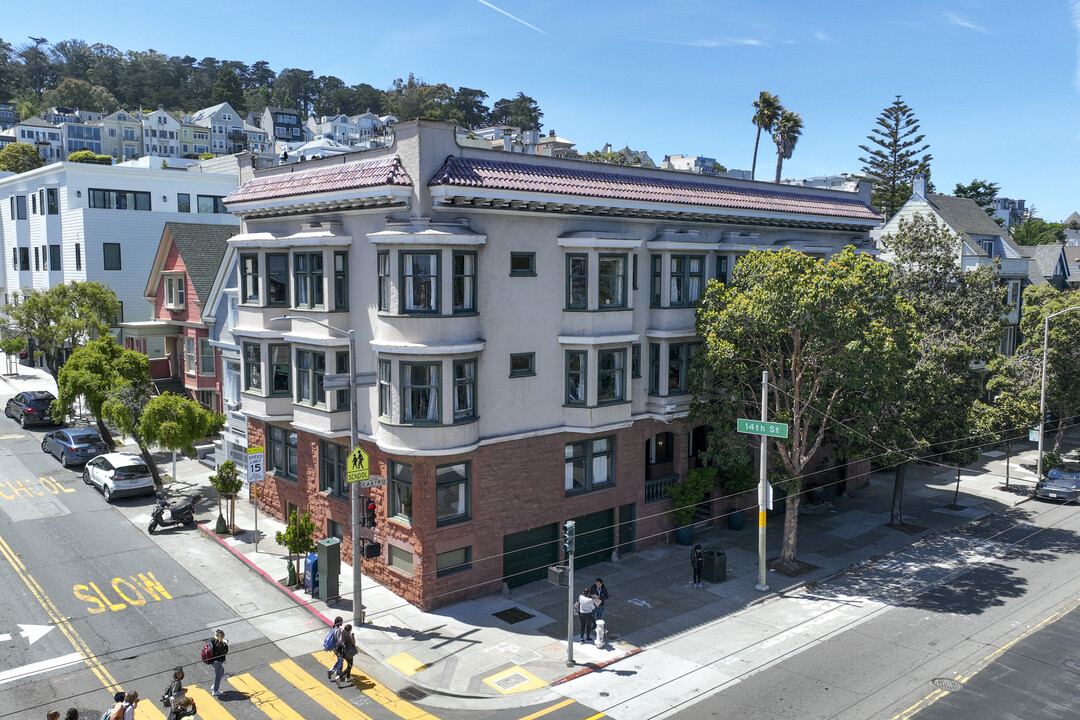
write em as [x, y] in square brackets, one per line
[893, 158]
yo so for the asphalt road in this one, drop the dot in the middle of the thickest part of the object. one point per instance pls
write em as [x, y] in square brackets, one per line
[995, 639]
[93, 604]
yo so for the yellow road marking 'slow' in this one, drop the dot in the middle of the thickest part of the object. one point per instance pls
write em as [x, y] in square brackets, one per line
[209, 707]
[379, 692]
[274, 707]
[336, 705]
[549, 709]
[406, 663]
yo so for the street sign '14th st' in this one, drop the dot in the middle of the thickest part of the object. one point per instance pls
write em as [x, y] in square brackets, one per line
[762, 427]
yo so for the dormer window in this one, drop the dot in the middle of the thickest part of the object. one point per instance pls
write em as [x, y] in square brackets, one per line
[988, 246]
[174, 292]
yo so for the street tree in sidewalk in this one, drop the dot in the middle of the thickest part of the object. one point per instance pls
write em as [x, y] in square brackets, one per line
[957, 324]
[1013, 384]
[1062, 348]
[92, 372]
[124, 402]
[63, 318]
[227, 482]
[834, 338]
[298, 539]
[175, 422]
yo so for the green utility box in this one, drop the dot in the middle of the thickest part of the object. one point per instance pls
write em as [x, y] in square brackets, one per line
[329, 567]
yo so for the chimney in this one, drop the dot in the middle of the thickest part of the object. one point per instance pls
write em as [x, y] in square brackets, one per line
[918, 187]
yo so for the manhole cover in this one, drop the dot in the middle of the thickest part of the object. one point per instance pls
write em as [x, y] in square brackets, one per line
[512, 615]
[1072, 664]
[948, 684]
[412, 694]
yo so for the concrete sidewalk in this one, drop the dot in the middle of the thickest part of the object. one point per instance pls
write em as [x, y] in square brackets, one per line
[477, 652]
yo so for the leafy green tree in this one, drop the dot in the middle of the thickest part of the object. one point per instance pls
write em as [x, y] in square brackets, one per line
[227, 482]
[175, 422]
[259, 76]
[73, 59]
[767, 109]
[19, 158]
[470, 103]
[74, 93]
[90, 158]
[369, 98]
[228, 89]
[521, 111]
[12, 346]
[295, 88]
[92, 372]
[982, 192]
[1062, 349]
[1036, 231]
[9, 71]
[957, 321]
[297, 538]
[1013, 384]
[612, 158]
[414, 98]
[786, 133]
[894, 157]
[38, 71]
[833, 337]
[63, 317]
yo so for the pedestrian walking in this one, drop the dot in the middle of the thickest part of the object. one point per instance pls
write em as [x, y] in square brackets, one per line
[219, 648]
[697, 561]
[586, 605]
[72, 714]
[131, 699]
[334, 639]
[52, 715]
[175, 691]
[117, 710]
[600, 598]
[348, 652]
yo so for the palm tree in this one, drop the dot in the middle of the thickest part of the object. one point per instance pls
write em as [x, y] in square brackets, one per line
[786, 133]
[766, 112]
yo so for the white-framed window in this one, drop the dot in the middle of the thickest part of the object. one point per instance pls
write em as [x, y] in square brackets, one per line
[207, 365]
[189, 355]
[175, 286]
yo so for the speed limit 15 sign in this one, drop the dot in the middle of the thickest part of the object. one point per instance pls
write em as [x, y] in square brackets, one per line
[255, 470]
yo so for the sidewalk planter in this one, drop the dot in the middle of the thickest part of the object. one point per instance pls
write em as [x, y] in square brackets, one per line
[684, 534]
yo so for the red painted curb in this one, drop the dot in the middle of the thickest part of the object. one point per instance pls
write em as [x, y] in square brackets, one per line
[596, 666]
[205, 530]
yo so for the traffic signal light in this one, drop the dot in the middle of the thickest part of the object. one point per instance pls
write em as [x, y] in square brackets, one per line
[568, 537]
[369, 512]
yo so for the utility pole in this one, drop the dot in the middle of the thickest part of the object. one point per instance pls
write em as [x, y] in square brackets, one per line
[568, 546]
[764, 489]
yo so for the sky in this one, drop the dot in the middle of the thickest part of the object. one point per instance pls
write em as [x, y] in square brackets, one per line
[994, 83]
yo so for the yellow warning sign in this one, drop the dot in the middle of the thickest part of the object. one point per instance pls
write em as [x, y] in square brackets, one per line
[357, 469]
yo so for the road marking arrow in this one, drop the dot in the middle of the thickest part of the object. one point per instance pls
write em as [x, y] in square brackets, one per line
[39, 667]
[32, 632]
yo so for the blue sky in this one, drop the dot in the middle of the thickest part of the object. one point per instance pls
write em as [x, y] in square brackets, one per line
[994, 83]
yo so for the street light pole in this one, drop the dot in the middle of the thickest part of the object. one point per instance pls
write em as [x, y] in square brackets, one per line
[1042, 386]
[354, 439]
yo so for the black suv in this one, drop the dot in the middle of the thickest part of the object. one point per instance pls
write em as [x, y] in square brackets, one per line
[31, 408]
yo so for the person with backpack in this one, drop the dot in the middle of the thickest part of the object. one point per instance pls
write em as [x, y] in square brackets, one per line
[182, 708]
[125, 707]
[348, 652]
[174, 693]
[219, 648]
[333, 642]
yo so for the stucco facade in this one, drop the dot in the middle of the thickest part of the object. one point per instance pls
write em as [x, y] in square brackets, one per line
[529, 321]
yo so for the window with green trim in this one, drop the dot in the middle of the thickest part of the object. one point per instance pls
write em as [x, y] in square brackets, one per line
[464, 390]
[464, 282]
[308, 280]
[420, 282]
[280, 370]
[687, 278]
[522, 364]
[576, 387]
[420, 393]
[590, 465]
[332, 469]
[310, 371]
[577, 282]
[452, 493]
[383, 265]
[385, 389]
[611, 376]
[522, 264]
[611, 283]
[341, 280]
[401, 492]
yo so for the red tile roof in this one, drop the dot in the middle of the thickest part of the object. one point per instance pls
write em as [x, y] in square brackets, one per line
[349, 176]
[644, 187]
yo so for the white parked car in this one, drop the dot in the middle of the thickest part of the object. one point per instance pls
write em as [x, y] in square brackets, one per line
[118, 475]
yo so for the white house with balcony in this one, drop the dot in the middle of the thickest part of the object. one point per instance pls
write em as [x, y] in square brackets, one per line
[122, 135]
[161, 134]
[529, 322]
[226, 128]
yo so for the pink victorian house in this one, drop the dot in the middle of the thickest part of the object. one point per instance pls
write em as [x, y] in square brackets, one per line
[177, 340]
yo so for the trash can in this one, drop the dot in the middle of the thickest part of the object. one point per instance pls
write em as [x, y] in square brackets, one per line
[311, 569]
[715, 569]
[329, 551]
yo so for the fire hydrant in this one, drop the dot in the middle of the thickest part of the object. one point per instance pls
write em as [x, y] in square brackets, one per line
[601, 633]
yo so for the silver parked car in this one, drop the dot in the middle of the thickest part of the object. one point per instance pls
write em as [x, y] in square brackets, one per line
[1060, 484]
[119, 474]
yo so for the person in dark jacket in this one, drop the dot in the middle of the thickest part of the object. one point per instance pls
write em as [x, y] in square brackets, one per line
[600, 597]
[697, 561]
[219, 648]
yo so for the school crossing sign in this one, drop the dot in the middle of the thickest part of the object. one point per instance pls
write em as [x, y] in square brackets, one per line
[356, 470]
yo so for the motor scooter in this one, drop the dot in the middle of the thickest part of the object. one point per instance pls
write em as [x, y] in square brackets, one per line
[178, 514]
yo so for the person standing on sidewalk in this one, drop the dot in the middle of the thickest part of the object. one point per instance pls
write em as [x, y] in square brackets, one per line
[586, 605]
[219, 648]
[337, 649]
[600, 597]
[697, 561]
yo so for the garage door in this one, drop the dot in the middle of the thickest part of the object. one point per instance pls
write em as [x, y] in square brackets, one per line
[527, 554]
[595, 537]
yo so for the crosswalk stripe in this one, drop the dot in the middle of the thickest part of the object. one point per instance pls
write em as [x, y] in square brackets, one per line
[315, 689]
[209, 708]
[379, 692]
[274, 707]
[549, 709]
[146, 710]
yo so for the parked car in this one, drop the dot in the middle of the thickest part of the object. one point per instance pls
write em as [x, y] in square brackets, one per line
[1060, 484]
[74, 446]
[119, 474]
[31, 408]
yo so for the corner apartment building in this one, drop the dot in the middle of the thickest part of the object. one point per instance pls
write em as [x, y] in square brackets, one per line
[530, 323]
[70, 221]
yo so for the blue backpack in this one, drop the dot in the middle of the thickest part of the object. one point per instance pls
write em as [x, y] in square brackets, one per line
[331, 640]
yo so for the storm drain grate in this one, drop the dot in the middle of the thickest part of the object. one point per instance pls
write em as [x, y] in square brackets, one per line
[948, 684]
[1072, 664]
[412, 694]
[512, 615]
